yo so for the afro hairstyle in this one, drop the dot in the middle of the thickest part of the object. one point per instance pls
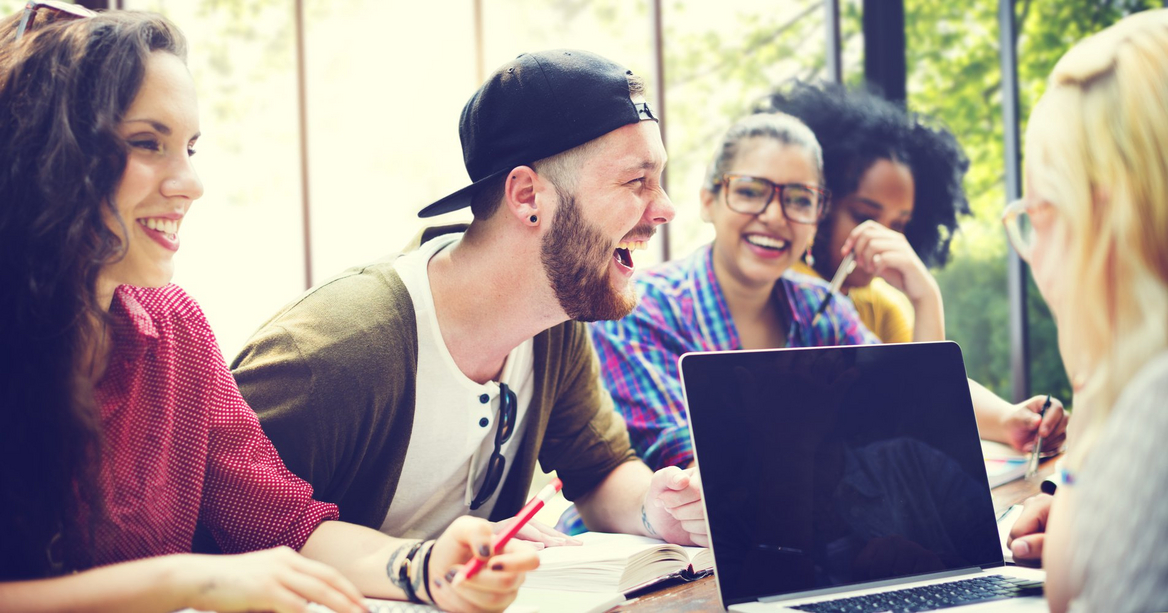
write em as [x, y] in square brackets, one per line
[857, 128]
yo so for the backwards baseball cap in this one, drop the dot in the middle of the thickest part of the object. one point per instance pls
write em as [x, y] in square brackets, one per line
[536, 106]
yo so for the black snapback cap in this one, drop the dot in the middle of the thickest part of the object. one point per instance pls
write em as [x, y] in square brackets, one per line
[536, 106]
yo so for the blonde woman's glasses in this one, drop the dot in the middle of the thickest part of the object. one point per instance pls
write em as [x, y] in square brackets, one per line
[1019, 227]
[60, 9]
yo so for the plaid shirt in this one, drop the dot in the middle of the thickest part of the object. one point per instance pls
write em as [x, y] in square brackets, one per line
[682, 309]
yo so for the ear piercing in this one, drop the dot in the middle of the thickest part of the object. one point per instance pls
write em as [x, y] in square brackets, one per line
[533, 219]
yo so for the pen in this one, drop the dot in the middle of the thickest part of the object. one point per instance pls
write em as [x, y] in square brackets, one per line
[1032, 469]
[525, 514]
[845, 268]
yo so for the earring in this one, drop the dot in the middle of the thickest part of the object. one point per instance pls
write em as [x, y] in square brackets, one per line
[533, 219]
[808, 258]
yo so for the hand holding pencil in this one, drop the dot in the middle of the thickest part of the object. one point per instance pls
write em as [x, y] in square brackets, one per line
[1025, 422]
[495, 586]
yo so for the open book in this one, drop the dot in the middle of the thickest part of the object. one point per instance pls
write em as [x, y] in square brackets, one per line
[1003, 464]
[617, 563]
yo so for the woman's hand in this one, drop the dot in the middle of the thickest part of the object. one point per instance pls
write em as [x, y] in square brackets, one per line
[1029, 532]
[1021, 425]
[495, 586]
[887, 253]
[277, 579]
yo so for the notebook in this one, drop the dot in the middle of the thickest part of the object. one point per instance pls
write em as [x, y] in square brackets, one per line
[836, 473]
[617, 563]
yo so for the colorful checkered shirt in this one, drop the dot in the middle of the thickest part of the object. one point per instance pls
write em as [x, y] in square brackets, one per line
[682, 309]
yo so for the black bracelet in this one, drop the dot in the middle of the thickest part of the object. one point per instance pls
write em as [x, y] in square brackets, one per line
[426, 571]
[404, 574]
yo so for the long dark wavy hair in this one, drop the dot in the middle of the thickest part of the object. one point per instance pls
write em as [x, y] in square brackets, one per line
[856, 129]
[64, 88]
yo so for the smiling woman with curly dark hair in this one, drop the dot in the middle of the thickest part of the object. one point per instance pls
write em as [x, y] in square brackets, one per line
[895, 178]
[902, 171]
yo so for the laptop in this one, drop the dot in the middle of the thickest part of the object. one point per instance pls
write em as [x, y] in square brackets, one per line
[847, 479]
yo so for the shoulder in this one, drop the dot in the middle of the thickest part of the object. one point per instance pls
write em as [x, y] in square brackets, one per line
[358, 325]
[1148, 388]
[362, 304]
[163, 311]
[880, 294]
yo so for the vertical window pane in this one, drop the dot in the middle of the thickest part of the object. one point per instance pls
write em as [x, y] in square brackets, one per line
[721, 59]
[944, 40]
[242, 254]
[386, 85]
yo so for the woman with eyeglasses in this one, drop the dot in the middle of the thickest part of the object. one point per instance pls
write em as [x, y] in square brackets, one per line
[1094, 228]
[124, 434]
[896, 181]
[764, 195]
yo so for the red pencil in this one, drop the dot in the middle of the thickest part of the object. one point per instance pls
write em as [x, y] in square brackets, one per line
[525, 514]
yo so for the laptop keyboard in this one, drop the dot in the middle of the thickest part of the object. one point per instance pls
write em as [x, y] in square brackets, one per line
[931, 597]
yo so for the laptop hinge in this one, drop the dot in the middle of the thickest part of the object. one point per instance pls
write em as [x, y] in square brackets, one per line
[851, 587]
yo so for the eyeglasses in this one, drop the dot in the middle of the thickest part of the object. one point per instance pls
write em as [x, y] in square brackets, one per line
[497, 465]
[62, 9]
[1019, 228]
[800, 203]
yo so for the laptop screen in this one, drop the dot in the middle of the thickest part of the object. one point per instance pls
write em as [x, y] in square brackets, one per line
[834, 466]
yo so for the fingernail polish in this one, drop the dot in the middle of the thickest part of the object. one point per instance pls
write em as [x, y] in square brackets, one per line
[496, 566]
[450, 575]
[485, 551]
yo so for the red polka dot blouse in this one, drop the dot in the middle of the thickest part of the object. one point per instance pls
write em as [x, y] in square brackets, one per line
[181, 445]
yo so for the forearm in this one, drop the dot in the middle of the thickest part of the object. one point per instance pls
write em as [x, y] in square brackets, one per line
[616, 505]
[359, 553]
[929, 315]
[991, 411]
[152, 584]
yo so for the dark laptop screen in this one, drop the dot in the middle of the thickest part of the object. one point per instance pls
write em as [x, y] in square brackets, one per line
[839, 465]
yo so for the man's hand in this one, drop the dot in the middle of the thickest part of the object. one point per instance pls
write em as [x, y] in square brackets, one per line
[1022, 424]
[538, 534]
[1027, 535]
[493, 588]
[673, 510]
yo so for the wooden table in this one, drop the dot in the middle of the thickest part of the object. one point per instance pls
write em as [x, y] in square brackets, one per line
[702, 595]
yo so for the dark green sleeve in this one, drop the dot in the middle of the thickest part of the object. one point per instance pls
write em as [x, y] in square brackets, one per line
[332, 380]
[585, 439]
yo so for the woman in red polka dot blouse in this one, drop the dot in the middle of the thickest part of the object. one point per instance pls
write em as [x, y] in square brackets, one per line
[124, 435]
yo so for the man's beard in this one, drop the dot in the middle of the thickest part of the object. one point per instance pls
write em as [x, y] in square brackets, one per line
[572, 253]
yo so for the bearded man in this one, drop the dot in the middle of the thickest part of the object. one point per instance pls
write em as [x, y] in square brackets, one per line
[425, 386]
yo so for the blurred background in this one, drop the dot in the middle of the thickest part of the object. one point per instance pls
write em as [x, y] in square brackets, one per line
[328, 124]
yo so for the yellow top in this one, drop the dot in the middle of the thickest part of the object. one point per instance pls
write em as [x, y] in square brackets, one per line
[883, 308]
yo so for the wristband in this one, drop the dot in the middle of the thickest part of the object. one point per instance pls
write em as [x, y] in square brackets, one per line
[426, 570]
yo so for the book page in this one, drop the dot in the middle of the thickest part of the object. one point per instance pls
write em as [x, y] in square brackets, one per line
[607, 563]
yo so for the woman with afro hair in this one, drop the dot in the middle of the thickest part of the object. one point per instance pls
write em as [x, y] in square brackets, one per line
[895, 179]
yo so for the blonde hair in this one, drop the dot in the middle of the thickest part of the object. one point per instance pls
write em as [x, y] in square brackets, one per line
[1097, 149]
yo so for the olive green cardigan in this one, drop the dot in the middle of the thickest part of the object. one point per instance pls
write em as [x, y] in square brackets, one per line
[332, 377]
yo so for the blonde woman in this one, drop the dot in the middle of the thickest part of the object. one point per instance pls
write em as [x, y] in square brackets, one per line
[1094, 228]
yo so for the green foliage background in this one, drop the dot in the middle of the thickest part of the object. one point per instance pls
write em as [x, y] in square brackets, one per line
[955, 76]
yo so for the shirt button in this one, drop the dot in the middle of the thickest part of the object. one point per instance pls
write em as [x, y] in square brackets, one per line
[484, 422]
[484, 399]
